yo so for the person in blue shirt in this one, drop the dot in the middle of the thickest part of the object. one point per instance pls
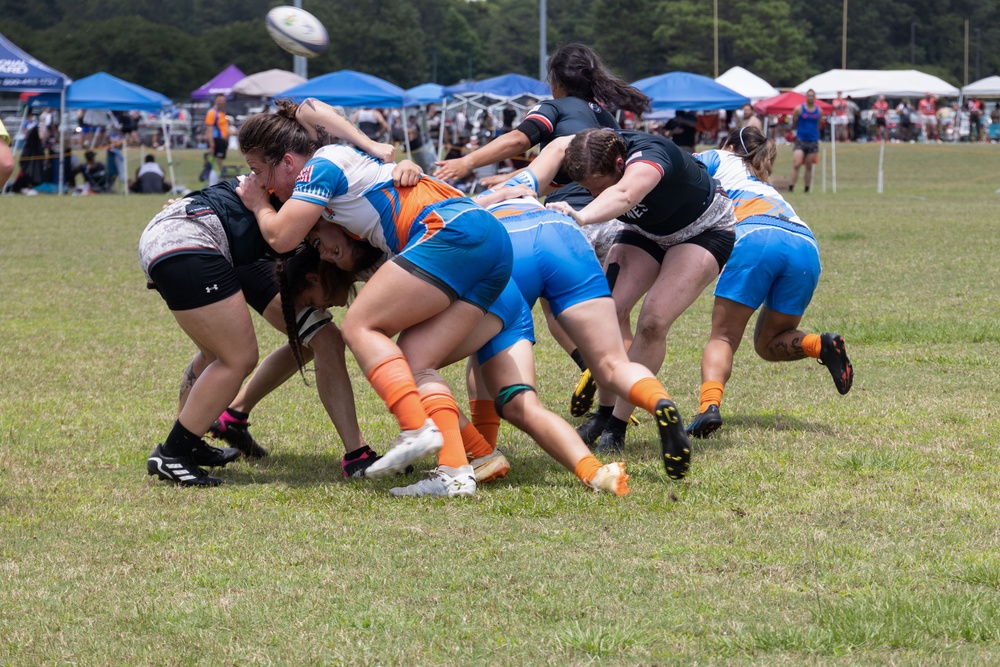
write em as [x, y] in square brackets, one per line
[805, 122]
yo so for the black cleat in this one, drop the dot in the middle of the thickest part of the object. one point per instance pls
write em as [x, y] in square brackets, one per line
[611, 444]
[208, 456]
[673, 441]
[356, 466]
[179, 470]
[237, 434]
[583, 395]
[833, 355]
[590, 430]
[705, 423]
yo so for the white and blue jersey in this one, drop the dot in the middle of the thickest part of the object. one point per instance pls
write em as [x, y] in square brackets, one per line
[430, 227]
[775, 261]
[552, 257]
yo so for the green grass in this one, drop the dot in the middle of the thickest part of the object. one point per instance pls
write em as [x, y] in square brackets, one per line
[813, 529]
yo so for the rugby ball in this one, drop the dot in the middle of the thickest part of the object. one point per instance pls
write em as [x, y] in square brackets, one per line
[297, 31]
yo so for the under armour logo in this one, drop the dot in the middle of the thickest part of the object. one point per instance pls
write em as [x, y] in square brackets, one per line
[213, 288]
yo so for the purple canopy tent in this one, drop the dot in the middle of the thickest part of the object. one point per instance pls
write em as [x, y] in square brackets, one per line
[221, 83]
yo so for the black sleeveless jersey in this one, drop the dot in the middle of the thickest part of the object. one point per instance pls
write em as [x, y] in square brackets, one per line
[246, 243]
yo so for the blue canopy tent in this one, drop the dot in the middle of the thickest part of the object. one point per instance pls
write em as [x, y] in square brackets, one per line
[348, 88]
[428, 93]
[19, 72]
[505, 86]
[103, 91]
[503, 89]
[691, 92]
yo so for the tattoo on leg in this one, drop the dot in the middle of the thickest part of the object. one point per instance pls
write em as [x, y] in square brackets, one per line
[784, 351]
[187, 381]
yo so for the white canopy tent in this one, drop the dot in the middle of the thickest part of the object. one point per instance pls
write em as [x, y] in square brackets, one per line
[748, 84]
[267, 83]
[988, 87]
[870, 82]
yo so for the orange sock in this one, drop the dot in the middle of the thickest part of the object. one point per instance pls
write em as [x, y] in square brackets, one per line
[484, 416]
[393, 382]
[587, 467]
[646, 393]
[711, 394]
[811, 345]
[474, 442]
[441, 407]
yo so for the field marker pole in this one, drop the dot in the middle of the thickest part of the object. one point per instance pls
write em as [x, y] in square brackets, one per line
[823, 160]
[833, 157]
[881, 158]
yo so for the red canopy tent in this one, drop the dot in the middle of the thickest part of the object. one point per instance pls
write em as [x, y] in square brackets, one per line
[785, 103]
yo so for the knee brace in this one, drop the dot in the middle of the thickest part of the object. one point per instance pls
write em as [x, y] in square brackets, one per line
[507, 394]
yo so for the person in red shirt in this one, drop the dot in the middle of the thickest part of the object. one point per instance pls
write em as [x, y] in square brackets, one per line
[840, 116]
[880, 110]
[927, 106]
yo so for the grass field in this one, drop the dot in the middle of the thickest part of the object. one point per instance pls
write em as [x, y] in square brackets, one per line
[813, 529]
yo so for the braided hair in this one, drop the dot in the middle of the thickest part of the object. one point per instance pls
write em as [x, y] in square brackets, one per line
[579, 71]
[593, 152]
[757, 151]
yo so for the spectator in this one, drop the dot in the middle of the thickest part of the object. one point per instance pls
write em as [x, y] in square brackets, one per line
[750, 119]
[880, 110]
[94, 173]
[905, 111]
[928, 116]
[946, 116]
[855, 125]
[371, 122]
[840, 116]
[149, 178]
[420, 147]
[6, 157]
[975, 107]
[683, 130]
[509, 116]
[217, 135]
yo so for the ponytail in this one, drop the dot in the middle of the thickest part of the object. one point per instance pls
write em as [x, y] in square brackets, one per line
[756, 150]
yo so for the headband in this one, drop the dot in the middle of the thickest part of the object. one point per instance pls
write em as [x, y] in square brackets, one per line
[745, 151]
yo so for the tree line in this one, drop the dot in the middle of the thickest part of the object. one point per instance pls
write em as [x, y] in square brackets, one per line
[173, 47]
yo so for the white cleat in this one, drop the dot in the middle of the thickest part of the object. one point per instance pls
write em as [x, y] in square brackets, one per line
[491, 467]
[611, 478]
[443, 482]
[408, 447]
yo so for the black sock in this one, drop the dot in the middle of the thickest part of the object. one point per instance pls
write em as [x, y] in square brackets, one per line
[604, 411]
[616, 426]
[357, 453]
[180, 442]
[575, 354]
[236, 414]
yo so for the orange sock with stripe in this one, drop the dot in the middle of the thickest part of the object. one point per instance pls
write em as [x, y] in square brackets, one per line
[711, 394]
[646, 393]
[587, 467]
[811, 345]
[393, 382]
[441, 407]
[484, 416]
[474, 442]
